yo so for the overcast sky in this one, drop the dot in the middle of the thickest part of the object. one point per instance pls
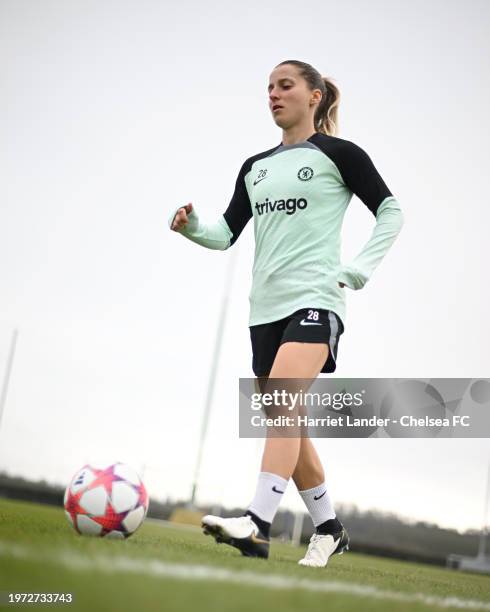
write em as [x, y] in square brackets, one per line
[112, 113]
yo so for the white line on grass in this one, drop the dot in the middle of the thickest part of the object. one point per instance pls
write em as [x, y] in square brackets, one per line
[156, 567]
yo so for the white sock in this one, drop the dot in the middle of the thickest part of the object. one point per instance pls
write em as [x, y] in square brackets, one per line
[318, 503]
[269, 492]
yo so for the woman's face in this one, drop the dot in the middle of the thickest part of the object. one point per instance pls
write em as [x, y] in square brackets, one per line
[289, 91]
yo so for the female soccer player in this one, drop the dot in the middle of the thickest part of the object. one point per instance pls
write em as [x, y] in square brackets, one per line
[297, 193]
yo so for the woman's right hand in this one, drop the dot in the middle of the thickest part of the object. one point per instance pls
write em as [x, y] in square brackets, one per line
[181, 218]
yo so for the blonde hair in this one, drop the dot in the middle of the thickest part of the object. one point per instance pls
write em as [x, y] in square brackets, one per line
[326, 114]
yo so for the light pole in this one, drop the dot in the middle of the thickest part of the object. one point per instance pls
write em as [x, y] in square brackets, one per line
[484, 534]
[6, 377]
[212, 374]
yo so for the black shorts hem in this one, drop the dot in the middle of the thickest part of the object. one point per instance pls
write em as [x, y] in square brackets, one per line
[308, 325]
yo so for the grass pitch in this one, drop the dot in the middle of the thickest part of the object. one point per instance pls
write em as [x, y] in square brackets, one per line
[174, 568]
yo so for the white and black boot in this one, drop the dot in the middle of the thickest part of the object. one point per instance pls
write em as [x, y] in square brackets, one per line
[240, 532]
[322, 546]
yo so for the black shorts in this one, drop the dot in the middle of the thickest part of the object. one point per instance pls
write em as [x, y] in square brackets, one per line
[305, 325]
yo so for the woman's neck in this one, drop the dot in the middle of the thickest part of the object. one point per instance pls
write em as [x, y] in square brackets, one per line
[297, 134]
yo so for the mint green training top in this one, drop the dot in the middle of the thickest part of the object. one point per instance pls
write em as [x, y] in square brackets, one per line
[298, 195]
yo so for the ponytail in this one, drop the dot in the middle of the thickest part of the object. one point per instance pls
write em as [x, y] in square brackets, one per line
[326, 116]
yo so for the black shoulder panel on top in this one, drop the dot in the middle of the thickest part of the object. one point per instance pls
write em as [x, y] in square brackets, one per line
[356, 168]
[239, 210]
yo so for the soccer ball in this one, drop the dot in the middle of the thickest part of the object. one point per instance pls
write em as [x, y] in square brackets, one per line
[108, 503]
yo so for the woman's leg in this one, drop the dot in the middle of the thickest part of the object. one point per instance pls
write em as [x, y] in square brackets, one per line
[308, 472]
[297, 457]
[309, 478]
[293, 360]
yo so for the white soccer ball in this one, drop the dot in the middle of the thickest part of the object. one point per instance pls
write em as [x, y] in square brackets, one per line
[110, 502]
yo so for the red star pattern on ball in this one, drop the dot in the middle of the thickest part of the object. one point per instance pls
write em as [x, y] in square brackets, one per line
[74, 508]
[105, 478]
[111, 520]
[142, 496]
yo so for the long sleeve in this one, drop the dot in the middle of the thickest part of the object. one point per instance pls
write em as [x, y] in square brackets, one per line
[225, 231]
[389, 221]
[212, 236]
[362, 178]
